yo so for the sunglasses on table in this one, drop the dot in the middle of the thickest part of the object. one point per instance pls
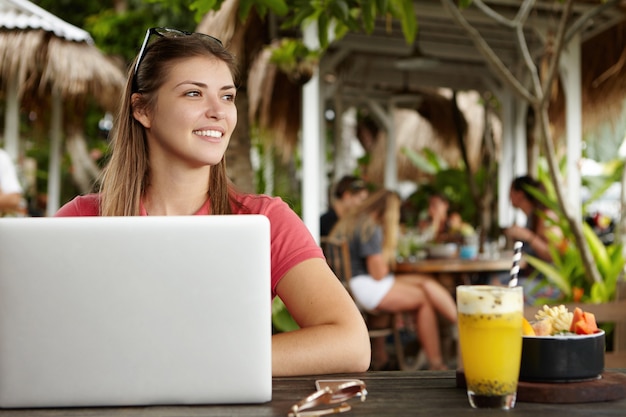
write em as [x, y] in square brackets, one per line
[165, 33]
[314, 404]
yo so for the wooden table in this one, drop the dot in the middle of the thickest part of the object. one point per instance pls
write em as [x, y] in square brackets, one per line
[454, 271]
[396, 393]
[456, 265]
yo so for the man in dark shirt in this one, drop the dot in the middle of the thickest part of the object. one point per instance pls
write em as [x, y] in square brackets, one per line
[349, 192]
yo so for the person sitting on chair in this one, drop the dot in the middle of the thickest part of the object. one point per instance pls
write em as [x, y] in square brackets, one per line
[372, 230]
[349, 192]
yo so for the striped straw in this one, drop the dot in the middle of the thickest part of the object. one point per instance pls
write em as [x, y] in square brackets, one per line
[517, 257]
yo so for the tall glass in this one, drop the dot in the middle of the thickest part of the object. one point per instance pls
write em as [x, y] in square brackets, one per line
[490, 337]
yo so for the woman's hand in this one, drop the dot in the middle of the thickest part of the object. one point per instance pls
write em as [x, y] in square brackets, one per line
[519, 233]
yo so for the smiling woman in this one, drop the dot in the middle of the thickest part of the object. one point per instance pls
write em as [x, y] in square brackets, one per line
[167, 158]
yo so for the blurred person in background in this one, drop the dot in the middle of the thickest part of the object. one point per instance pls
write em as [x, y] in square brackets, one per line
[349, 192]
[372, 232]
[11, 202]
[539, 230]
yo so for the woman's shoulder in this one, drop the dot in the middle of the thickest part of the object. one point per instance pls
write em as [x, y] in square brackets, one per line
[258, 204]
[82, 205]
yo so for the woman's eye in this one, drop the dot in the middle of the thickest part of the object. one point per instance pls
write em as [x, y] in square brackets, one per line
[229, 97]
[194, 93]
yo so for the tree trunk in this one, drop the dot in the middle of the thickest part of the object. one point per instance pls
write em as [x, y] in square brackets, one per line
[536, 98]
[238, 163]
[84, 168]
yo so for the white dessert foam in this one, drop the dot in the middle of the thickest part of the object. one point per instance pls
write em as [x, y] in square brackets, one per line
[486, 299]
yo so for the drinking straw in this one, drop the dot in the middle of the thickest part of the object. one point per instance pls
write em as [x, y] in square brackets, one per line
[517, 256]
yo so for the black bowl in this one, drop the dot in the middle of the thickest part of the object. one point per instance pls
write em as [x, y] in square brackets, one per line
[562, 358]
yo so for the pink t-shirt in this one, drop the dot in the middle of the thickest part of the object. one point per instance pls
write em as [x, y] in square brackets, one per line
[291, 241]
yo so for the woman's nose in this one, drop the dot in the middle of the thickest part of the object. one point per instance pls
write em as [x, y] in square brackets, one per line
[219, 115]
[215, 110]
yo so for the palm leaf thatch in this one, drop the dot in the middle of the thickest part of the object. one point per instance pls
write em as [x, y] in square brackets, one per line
[244, 39]
[275, 104]
[431, 127]
[274, 100]
[42, 61]
[19, 57]
[603, 82]
[84, 71]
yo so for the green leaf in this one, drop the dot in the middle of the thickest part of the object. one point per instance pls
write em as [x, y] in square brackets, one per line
[202, 7]
[408, 19]
[339, 10]
[322, 28]
[368, 15]
[281, 319]
[300, 14]
[551, 273]
[599, 293]
[420, 162]
[382, 6]
[244, 9]
[598, 250]
[277, 6]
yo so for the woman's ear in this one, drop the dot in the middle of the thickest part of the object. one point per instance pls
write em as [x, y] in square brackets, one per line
[139, 110]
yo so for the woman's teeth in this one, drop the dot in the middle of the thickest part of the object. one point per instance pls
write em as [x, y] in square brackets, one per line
[211, 133]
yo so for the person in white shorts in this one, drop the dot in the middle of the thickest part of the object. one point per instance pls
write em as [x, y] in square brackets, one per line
[372, 230]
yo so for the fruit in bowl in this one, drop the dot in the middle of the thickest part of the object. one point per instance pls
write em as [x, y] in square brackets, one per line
[561, 346]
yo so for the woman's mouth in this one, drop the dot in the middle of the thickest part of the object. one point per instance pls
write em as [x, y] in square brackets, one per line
[209, 133]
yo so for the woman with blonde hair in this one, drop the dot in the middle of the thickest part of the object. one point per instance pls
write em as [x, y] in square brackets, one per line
[372, 231]
[174, 124]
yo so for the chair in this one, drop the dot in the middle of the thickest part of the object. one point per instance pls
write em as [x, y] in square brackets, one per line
[380, 324]
[610, 312]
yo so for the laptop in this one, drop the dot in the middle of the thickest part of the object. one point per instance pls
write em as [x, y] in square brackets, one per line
[117, 311]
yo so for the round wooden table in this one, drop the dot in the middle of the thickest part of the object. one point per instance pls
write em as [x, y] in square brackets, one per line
[454, 271]
[456, 265]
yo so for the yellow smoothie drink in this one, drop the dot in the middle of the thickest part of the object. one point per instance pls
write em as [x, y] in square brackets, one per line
[490, 337]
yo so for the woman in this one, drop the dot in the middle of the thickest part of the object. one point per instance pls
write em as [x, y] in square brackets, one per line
[539, 226]
[537, 233]
[372, 229]
[176, 118]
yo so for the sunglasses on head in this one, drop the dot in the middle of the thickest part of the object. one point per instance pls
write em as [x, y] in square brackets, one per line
[165, 33]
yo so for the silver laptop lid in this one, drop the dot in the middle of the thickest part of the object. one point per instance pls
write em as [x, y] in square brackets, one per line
[134, 310]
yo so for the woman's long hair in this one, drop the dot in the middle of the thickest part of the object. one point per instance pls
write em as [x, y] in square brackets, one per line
[526, 184]
[126, 174]
[381, 208]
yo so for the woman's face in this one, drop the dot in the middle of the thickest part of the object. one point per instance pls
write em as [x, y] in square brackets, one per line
[194, 115]
[437, 207]
[516, 197]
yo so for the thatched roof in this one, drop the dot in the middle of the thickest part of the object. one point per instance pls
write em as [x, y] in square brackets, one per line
[603, 81]
[603, 76]
[41, 62]
[275, 104]
[274, 100]
[44, 52]
[431, 127]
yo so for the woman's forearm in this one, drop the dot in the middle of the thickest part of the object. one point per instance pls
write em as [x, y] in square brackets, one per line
[300, 352]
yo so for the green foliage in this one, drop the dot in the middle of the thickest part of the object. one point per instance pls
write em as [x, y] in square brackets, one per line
[121, 33]
[567, 271]
[350, 15]
[427, 161]
[293, 58]
[449, 181]
[281, 319]
[202, 7]
[72, 11]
